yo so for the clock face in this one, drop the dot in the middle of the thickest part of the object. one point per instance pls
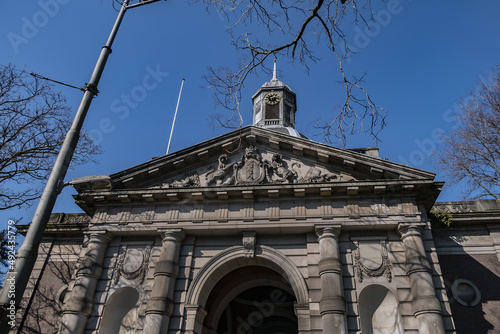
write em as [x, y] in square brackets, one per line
[272, 98]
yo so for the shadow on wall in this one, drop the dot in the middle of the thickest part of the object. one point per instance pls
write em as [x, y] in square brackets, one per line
[379, 311]
[120, 312]
[472, 284]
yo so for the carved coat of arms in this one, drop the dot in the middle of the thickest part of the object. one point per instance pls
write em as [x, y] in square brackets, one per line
[250, 169]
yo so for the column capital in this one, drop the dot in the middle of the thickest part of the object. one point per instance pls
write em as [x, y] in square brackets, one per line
[172, 234]
[102, 237]
[410, 229]
[327, 231]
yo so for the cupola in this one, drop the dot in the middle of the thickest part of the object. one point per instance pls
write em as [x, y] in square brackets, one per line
[274, 106]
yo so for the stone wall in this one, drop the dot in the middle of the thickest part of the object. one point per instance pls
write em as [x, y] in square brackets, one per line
[468, 252]
[300, 249]
[50, 279]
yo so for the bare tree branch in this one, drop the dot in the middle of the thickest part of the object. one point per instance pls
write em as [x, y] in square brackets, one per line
[471, 152]
[34, 120]
[292, 25]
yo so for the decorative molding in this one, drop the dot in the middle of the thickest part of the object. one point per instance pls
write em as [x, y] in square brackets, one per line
[276, 172]
[248, 212]
[300, 210]
[147, 216]
[189, 181]
[362, 270]
[315, 175]
[197, 213]
[326, 210]
[223, 212]
[222, 175]
[274, 210]
[249, 241]
[251, 169]
[220, 264]
[455, 207]
[173, 213]
[465, 292]
[129, 270]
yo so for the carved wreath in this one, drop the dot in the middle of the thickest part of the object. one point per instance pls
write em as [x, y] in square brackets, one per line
[383, 270]
[139, 273]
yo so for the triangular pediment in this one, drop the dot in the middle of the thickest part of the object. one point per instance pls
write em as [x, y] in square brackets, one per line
[253, 156]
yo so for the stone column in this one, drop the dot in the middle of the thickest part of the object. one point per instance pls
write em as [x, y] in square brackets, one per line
[78, 305]
[332, 304]
[425, 304]
[160, 304]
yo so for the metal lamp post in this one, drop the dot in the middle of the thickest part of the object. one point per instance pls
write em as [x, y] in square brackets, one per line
[27, 253]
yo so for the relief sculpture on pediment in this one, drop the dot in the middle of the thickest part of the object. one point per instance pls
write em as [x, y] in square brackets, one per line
[190, 181]
[316, 175]
[276, 172]
[252, 169]
[223, 175]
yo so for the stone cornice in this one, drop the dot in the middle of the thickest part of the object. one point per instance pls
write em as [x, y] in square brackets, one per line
[422, 190]
[471, 213]
[62, 223]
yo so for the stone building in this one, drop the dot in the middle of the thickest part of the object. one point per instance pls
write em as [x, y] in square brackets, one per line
[262, 231]
[469, 254]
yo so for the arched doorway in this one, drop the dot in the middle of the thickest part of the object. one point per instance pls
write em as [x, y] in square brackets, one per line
[232, 272]
[252, 299]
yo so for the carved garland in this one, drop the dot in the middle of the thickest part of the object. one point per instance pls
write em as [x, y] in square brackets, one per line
[140, 273]
[383, 270]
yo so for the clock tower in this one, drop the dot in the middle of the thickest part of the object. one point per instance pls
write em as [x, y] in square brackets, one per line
[274, 106]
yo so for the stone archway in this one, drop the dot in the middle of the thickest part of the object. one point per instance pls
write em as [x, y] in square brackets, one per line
[269, 269]
[251, 299]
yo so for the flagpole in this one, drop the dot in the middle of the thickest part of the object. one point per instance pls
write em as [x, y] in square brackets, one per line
[175, 116]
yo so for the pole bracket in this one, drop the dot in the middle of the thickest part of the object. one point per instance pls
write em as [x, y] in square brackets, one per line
[91, 88]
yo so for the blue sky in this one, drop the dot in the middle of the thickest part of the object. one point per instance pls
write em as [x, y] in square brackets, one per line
[419, 61]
